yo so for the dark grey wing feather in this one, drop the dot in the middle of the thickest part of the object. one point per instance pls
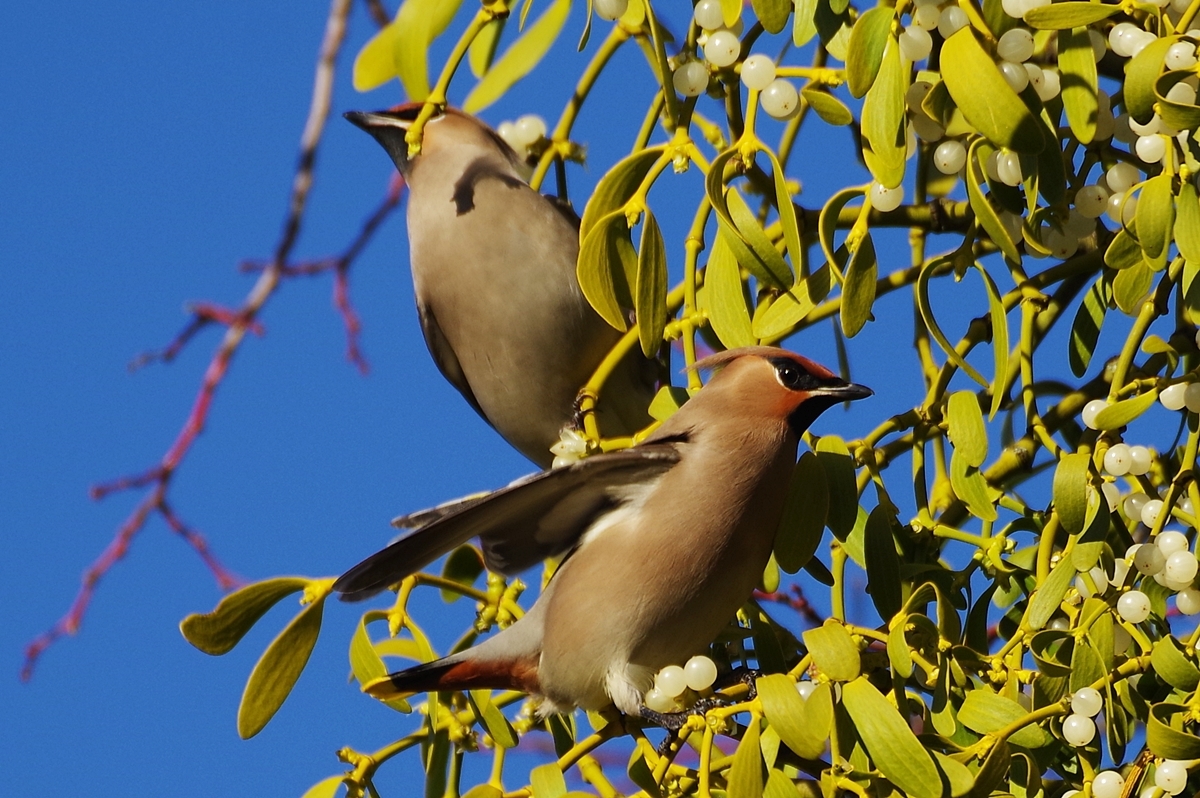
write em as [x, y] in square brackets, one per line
[518, 525]
[444, 356]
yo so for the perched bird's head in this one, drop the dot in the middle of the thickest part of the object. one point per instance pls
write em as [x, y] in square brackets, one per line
[448, 132]
[786, 385]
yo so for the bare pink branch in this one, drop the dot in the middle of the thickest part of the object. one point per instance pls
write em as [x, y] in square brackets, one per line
[795, 599]
[237, 324]
[203, 314]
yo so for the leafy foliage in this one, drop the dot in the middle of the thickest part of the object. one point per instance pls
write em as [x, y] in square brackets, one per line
[996, 609]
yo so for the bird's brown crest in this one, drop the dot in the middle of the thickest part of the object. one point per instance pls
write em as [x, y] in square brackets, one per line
[721, 359]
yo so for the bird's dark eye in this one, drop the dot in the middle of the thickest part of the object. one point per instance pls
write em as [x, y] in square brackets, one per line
[790, 376]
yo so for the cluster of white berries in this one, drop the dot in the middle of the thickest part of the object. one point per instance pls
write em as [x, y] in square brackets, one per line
[1079, 728]
[915, 40]
[1170, 776]
[1167, 558]
[670, 683]
[523, 133]
[722, 48]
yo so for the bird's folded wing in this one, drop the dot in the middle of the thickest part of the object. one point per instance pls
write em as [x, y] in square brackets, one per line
[519, 525]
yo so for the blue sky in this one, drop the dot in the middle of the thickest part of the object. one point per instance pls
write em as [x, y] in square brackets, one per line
[148, 149]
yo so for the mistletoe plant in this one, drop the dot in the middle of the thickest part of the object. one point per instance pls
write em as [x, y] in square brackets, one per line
[1028, 647]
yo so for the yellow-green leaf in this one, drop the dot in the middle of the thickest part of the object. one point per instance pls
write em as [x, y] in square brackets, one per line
[417, 23]
[764, 260]
[970, 486]
[883, 119]
[961, 779]
[601, 267]
[1173, 665]
[804, 25]
[985, 712]
[790, 308]
[463, 566]
[1131, 285]
[838, 466]
[493, 720]
[999, 319]
[1178, 115]
[1165, 735]
[278, 669]
[995, 766]
[1123, 252]
[984, 96]
[778, 785]
[483, 48]
[641, 774]
[1070, 491]
[858, 291]
[1141, 73]
[1085, 330]
[746, 773]
[1187, 221]
[967, 431]
[725, 300]
[883, 563]
[803, 519]
[890, 742]
[219, 631]
[668, 399]
[899, 654]
[651, 296]
[802, 725]
[868, 39]
[1155, 217]
[1125, 411]
[827, 225]
[834, 651]
[1061, 16]
[773, 14]
[520, 58]
[731, 10]
[1086, 667]
[365, 662]
[326, 788]
[547, 781]
[1049, 595]
[1079, 86]
[986, 215]
[374, 65]
[786, 210]
[829, 108]
[616, 187]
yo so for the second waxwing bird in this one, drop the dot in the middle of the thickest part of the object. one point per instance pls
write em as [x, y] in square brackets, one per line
[664, 541]
[494, 271]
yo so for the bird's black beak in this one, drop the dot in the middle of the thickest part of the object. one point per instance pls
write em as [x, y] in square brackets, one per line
[389, 129]
[847, 392]
[821, 399]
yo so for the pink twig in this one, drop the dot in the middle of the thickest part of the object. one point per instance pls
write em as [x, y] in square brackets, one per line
[795, 599]
[237, 324]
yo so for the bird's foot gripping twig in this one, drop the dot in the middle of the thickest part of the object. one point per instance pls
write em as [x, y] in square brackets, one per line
[674, 721]
[746, 676]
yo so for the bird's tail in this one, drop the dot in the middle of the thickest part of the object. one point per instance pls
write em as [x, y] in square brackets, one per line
[457, 672]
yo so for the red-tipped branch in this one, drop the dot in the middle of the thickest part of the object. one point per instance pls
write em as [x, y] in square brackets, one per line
[237, 324]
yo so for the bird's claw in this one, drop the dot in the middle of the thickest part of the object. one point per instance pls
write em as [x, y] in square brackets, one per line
[746, 676]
